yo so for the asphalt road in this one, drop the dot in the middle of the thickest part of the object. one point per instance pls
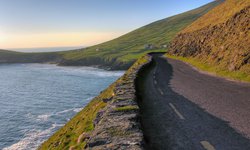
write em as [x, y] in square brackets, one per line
[183, 109]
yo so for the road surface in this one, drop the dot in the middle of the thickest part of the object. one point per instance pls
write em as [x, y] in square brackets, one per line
[183, 109]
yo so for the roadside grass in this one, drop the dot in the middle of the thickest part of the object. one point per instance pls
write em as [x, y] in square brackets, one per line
[130, 57]
[126, 108]
[217, 70]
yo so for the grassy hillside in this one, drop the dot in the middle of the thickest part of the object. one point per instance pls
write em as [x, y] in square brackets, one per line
[218, 15]
[219, 41]
[17, 57]
[122, 52]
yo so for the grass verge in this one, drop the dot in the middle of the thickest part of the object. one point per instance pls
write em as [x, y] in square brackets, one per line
[127, 108]
[217, 70]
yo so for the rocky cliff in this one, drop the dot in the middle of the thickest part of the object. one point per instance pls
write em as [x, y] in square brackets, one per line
[117, 126]
[110, 121]
[220, 38]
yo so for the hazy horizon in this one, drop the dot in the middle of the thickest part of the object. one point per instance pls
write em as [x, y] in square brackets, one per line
[43, 24]
[46, 49]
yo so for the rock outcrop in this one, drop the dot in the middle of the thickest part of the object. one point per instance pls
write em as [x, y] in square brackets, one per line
[224, 42]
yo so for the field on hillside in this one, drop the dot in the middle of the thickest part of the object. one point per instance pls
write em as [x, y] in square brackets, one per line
[123, 51]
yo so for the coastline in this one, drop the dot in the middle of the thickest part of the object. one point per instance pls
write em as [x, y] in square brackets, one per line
[110, 120]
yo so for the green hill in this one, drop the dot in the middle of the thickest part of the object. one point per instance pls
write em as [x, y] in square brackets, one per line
[219, 41]
[122, 52]
[18, 57]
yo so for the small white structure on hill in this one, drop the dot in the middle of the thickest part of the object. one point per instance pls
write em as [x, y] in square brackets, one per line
[149, 46]
[164, 46]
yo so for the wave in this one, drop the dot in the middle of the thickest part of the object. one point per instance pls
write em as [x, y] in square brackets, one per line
[77, 109]
[37, 121]
[107, 73]
[69, 110]
[78, 71]
[64, 111]
[45, 117]
[88, 71]
[73, 109]
[33, 139]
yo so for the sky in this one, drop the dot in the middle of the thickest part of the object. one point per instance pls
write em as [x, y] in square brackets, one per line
[60, 23]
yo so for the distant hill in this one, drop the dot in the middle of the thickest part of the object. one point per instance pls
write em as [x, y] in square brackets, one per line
[46, 49]
[18, 57]
[219, 41]
[122, 52]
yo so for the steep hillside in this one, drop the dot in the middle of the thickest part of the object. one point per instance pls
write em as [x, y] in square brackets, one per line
[122, 52]
[219, 41]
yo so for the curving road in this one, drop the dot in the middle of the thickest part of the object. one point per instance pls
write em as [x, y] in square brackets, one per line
[183, 109]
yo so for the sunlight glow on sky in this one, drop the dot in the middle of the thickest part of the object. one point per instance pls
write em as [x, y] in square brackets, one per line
[57, 23]
[33, 40]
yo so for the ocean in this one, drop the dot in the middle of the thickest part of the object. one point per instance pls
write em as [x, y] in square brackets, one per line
[37, 99]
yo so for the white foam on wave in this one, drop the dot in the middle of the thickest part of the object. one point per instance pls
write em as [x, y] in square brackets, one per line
[64, 111]
[77, 109]
[29, 115]
[78, 71]
[43, 117]
[33, 139]
[69, 110]
[73, 109]
[107, 73]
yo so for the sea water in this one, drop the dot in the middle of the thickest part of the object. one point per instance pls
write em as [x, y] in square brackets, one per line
[37, 99]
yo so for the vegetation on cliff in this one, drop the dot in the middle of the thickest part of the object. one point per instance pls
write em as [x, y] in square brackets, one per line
[219, 41]
[68, 135]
